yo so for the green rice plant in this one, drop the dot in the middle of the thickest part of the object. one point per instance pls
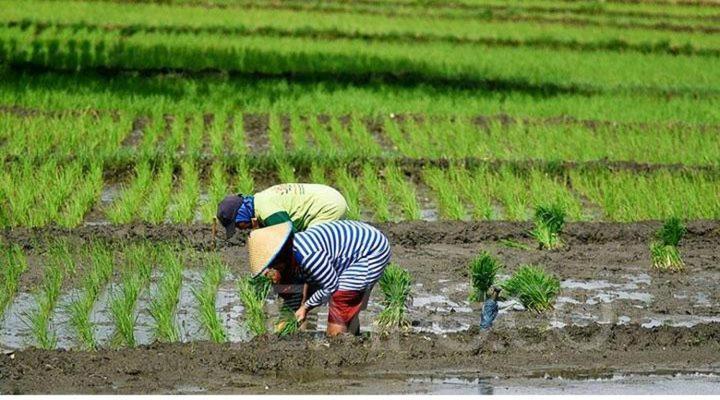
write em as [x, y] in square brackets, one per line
[217, 189]
[483, 270]
[318, 174]
[402, 192]
[194, 139]
[217, 134]
[276, 135]
[13, 264]
[395, 286]
[172, 143]
[664, 252]
[475, 189]
[167, 295]
[84, 197]
[350, 189]
[288, 323]
[514, 244]
[184, 201]
[375, 194]
[298, 133]
[549, 221]
[449, 203]
[47, 295]
[535, 288]
[245, 182]
[102, 264]
[286, 172]
[253, 291]
[545, 188]
[158, 199]
[139, 260]
[511, 191]
[125, 208]
[205, 296]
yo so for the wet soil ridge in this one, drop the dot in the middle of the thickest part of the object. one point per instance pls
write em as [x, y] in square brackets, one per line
[410, 233]
[307, 364]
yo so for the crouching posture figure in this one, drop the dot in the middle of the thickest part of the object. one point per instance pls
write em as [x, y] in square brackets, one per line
[337, 262]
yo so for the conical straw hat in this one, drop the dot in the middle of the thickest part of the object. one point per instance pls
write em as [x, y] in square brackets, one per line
[264, 245]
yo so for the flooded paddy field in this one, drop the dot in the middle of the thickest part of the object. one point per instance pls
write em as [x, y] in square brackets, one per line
[617, 325]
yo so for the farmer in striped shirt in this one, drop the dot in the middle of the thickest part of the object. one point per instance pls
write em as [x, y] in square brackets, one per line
[341, 260]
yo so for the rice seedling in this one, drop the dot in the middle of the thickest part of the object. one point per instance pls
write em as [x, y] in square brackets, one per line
[514, 244]
[511, 191]
[318, 174]
[158, 199]
[276, 135]
[395, 286]
[83, 198]
[402, 192]
[483, 270]
[167, 295]
[664, 253]
[549, 221]
[375, 194]
[216, 191]
[183, 207]
[125, 208]
[253, 292]
[102, 263]
[350, 189]
[14, 265]
[287, 324]
[449, 203]
[535, 288]
[476, 190]
[194, 139]
[245, 182]
[298, 133]
[286, 172]
[217, 134]
[136, 276]
[205, 296]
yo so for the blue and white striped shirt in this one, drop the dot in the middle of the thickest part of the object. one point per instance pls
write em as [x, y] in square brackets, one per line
[341, 255]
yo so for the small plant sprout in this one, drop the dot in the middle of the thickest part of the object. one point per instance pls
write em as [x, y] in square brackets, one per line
[205, 297]
[395, 286]
[549, 221]
[101, 259]
[535, 288]
[288, 324]
[663, 251]
[253, 292]
[13, 264]
[167, 296]
[483, 270]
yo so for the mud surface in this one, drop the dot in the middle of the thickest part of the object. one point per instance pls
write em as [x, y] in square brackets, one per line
[614, 315]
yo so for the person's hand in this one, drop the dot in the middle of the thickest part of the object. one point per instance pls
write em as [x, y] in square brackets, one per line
[301, 313]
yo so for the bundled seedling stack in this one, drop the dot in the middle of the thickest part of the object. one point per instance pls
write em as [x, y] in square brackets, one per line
[395, 286]
[253, 292]
[535, 288]
[549, 221]
[483, 271]
[663, 251]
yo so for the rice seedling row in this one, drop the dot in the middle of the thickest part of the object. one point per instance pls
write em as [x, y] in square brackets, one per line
[205, 296]
[13, 266]
[167, 295]
[136, 275]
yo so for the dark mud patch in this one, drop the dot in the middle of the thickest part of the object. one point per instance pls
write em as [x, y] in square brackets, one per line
[306, 364]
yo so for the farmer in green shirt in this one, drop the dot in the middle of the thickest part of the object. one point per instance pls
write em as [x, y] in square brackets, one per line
[303, 204]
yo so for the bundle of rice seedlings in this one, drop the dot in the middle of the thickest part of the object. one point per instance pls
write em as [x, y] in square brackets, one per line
[549, 221]
[535, 288]
[395, 286]
[663, 251]
[288, 323]
[253, 292]
[483, 270]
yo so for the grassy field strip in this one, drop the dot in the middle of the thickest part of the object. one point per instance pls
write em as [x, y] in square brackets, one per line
[181, 95]
[136, 274]
[405, 30]
[540, 70]
[101, 259]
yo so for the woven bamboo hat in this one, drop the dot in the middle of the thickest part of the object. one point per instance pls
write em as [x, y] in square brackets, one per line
[265, 244]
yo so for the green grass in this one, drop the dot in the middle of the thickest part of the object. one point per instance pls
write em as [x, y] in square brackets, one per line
[549, 222]
[167, 295]
[535, 288]
[205, 296]
[253, 292]
[102, 264]
[395, 286]
[14, 263]
[483, 271]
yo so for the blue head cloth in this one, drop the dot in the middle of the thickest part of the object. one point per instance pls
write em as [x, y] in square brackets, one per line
[246, 212]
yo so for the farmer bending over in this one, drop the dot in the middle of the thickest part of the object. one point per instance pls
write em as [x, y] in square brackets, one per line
[303, 204]
[341, 260]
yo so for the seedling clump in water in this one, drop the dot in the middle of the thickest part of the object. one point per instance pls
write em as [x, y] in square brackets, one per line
[483, 270]
[205, 296]
[664, 252]
[535, 288]
[549, 221]
[253, 292]
[395, 285]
